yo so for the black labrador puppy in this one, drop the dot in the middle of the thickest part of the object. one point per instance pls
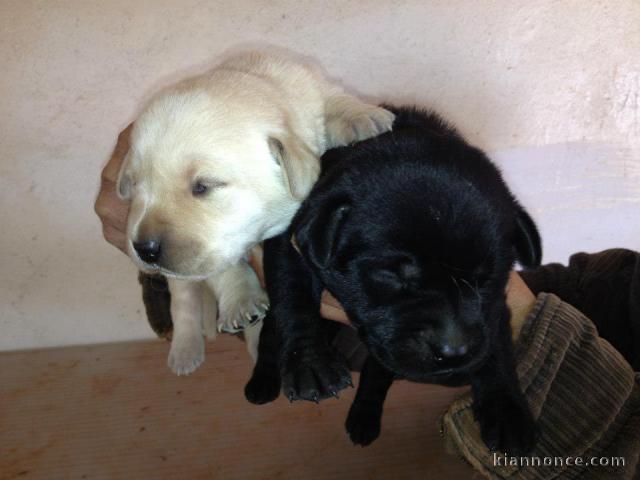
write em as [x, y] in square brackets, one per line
[415, 233]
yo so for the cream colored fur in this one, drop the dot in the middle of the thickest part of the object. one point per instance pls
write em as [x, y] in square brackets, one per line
[251, 131]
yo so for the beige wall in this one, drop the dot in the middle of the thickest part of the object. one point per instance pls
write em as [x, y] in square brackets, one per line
[551, 88]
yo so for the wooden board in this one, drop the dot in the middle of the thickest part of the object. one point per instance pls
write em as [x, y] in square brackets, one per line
[116, 411]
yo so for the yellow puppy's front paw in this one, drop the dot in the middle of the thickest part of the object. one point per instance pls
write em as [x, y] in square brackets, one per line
[353, 121]
[371, 122]
[242, 312]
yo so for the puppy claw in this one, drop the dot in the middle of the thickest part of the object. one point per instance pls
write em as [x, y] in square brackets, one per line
[242, 312]
[314, 375]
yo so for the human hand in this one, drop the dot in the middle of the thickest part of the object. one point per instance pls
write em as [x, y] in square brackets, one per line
[112, 211]
[520, 301]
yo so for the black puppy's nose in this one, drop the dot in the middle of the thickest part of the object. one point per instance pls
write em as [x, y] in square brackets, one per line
[450, 354]
[148, 251]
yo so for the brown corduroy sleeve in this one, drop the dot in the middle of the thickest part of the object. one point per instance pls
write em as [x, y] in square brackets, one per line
[584, 394]
[605, 286]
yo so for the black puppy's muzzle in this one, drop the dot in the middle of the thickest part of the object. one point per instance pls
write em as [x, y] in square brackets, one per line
[429, 358]
[453, 355]
[452, 348]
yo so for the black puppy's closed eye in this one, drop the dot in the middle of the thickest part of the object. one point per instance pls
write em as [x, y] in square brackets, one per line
[387, 278]
[201, 187]
[403, 276]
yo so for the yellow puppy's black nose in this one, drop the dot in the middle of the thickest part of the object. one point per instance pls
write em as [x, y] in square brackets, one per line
[148, 250]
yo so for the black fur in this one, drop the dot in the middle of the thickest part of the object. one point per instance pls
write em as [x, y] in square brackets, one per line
[157, 303]
[415, 233]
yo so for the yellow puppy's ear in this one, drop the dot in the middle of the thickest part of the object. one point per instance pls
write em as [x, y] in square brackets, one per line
[300, 167]
[123, 185]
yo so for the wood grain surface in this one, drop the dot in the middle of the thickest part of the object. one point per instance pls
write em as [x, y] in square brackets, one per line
[115, 411]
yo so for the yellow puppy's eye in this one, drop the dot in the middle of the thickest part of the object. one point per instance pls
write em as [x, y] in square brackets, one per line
[203, 186]
[199, 189]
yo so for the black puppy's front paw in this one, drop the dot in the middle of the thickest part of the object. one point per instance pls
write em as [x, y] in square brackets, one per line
[506, 425]
[363, 423]
[263, 386]
[314, 375]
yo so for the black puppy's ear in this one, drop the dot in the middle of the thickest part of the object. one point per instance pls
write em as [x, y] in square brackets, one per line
[300, 167]
[317, 233]
[527, 240]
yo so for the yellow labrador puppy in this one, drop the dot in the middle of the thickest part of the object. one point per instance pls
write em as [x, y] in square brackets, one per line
[219, 163]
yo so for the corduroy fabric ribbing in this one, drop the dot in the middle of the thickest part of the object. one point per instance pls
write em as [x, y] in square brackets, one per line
[605, 286]
[584, 394]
